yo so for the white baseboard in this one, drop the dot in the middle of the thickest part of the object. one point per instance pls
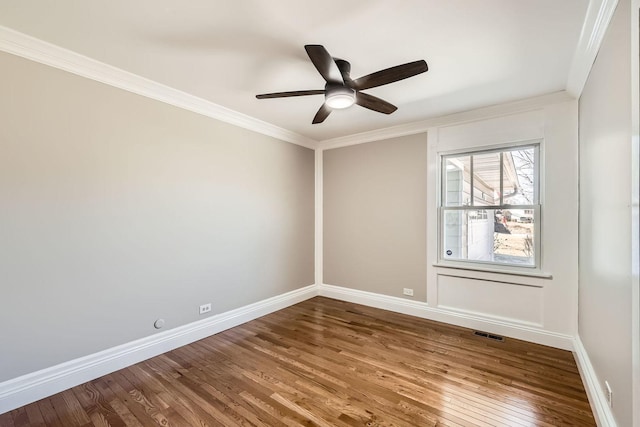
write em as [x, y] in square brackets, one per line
[46, 382]
[37, 385]
[467, 320]
[595, 393]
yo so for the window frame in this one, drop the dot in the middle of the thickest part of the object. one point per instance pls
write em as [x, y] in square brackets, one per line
[537, 206]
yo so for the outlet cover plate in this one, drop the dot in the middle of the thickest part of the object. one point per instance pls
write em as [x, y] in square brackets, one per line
[205, 308]
[407, 291]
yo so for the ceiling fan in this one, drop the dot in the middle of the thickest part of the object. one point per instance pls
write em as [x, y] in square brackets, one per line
[341, 91]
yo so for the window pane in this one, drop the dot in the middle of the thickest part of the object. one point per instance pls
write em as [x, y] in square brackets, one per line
[456, 181]
[487, 235]
[486, 179]
[519, 177]
[513, 243]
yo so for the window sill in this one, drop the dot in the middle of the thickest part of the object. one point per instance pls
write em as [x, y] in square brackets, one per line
[533, 273]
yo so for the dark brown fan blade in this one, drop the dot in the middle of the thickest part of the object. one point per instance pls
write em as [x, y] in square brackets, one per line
[322, 114]
[390, 75]
[373, 103]
[324, 63]
[287, 94]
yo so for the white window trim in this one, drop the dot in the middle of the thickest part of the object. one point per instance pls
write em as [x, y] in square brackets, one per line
[535, 270]
[493, 269]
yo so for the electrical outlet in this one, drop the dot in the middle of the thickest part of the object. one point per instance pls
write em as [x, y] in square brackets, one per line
[205, 308]
[407, 291]
[609, 394]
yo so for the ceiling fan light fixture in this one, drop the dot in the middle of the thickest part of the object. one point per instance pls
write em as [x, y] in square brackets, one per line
[340, 97]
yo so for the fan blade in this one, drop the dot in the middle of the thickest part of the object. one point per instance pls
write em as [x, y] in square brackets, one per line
[324, 63]
[390, 75]
[287, 94]
[322, 114]
[373, 103]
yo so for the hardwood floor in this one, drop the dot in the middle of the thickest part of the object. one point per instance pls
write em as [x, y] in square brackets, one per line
[329, 363]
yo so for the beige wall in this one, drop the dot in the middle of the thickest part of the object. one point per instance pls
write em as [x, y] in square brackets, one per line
[605, 215]
[117, 210]
[375, 216]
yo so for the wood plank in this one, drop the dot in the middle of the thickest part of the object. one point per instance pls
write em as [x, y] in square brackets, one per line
[96, 407]
[48, 413]
[20, 417]
[134, 400]
[6, 419]
[69, 409]
[34, 415]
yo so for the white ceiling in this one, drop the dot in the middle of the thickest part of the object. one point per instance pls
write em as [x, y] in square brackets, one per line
[479, 52]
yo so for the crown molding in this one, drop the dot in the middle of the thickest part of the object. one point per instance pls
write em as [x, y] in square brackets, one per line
[37, 50]
[597, 19]
[596, 22]
[450, 119]
[598, 16]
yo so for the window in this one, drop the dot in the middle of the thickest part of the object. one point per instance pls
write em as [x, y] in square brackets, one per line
[489, 207]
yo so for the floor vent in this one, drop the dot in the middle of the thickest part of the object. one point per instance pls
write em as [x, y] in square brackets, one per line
[488, 335]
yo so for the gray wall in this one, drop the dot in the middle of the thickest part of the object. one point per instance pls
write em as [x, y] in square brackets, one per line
[117, 210]
[605, 216]
[375, 216]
